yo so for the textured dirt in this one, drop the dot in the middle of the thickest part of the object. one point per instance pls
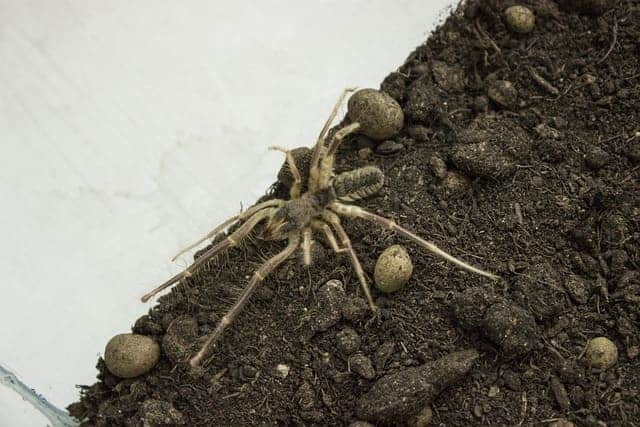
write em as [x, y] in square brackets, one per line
[539, 184]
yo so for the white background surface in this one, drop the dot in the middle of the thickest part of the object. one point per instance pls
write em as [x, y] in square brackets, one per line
[129, 128]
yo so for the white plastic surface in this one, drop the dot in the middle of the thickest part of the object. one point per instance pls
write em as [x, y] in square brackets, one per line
[130, 128]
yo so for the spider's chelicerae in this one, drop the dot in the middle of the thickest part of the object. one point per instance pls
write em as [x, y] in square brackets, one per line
[316, 209]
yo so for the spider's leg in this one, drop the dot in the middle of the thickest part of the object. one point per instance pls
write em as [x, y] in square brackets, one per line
[256, 279]
[336, 107]
[357, 212]
[319, 147]
[327, 160]
[306, 246]
[296, 188]
[220, 228]
[355, 262]
[328, 233]
[232, 240]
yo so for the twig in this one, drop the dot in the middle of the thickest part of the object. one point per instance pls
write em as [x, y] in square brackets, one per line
[613, 42]
[543, 82]
[489, 39]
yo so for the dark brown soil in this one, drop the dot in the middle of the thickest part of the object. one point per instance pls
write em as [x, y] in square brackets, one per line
[542, 189]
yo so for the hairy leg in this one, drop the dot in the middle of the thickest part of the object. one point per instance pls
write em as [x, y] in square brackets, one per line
[232, 240]
[256, 279]
[319, 147]
[220, 228]
[328, 158]
[328, 233]
[355, 262]
[296, 188]
[357, 212]
[306, 246]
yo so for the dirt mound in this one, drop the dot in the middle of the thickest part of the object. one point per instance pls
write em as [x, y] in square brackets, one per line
[536, 180]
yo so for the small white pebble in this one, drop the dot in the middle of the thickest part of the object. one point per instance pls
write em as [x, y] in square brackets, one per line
[393, 269]
[282, 370]
[520, 19]
[601, 353]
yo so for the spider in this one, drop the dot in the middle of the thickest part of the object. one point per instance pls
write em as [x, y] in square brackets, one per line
[314, 206]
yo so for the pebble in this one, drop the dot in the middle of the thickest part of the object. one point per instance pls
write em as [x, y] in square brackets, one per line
[408, 391]
[503, 93]
[494, 390]
[178, 342]
[348, 341]
[380, 116]
[520, 19]
[393, 269]
[389, 147]
[131, 355]
[361, 365]
[601, 353]
[282, 370]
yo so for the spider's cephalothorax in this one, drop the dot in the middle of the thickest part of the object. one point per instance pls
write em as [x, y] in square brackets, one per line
[299, 212]
[317, 200]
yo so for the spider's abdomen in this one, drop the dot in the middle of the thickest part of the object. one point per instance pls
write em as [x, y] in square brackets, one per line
[358, 183]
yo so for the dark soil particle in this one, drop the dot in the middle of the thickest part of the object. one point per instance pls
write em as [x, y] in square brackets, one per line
[542, 190]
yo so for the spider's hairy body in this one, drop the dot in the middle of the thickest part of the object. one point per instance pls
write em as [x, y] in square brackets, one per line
[358, 183]
[316, 202]
[345, 187]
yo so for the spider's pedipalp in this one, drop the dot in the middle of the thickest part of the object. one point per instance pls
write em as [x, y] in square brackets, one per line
[232, 240]
[357, 212]
[257, 278]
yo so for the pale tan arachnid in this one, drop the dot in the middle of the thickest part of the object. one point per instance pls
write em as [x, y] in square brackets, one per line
[318, 208]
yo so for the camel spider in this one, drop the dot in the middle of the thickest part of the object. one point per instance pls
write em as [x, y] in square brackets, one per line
[317, 209]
